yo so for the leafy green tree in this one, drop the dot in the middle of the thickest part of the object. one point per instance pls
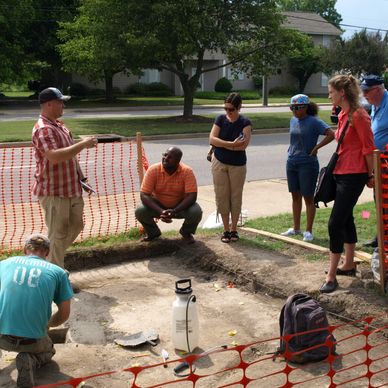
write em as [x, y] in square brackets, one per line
[96, 45]
[14, 61]
[177, 34]
[364, 53]
[304, 60]
[325, 8]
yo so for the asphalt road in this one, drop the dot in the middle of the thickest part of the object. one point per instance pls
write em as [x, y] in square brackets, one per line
[266, 155]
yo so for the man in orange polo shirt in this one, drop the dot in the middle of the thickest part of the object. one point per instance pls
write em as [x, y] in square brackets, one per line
[169, 190]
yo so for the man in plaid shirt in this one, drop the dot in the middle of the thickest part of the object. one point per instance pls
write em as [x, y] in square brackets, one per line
[58, 174]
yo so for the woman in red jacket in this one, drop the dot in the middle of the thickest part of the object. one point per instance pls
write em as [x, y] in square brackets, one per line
[353, 171]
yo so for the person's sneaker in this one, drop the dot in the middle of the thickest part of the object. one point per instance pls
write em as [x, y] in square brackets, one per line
[25, 364]
[291, 232]
[308, 236]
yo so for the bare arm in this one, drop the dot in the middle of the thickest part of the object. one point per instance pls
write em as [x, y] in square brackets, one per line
[188, 200]
[329, 136]
[67, 153]
[149, 201]
[242, 144]
[236, 145]
[62, 315]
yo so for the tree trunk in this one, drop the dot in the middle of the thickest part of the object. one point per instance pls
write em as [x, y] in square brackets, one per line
[108, 86]
[188, 86]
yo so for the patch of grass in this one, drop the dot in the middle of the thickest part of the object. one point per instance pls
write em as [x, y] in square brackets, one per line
[315, 256]
[11, 131]
[262, 242]
[366, 228]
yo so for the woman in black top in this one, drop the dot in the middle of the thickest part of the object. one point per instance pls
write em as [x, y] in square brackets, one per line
[230, 135]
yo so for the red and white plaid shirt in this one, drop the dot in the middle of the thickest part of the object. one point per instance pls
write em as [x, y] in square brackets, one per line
[60, 179]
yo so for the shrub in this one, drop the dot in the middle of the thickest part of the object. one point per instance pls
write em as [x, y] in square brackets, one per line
[79, 90]
[385, 76]
[137, 89]
[223, 85]
[96, 92]
[283, 91]
[158, 89]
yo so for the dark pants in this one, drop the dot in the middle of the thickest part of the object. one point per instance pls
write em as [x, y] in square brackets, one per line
[191, 215]
[341, 223]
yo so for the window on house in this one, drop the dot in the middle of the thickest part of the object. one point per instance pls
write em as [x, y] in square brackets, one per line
[234, 76]
[326, 41]
[324, 80]
[149, 76]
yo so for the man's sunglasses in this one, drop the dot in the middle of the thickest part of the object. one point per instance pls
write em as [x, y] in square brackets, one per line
[229, 109]
[297, 107]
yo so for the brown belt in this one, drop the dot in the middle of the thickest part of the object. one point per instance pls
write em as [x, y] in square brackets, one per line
[14, 340]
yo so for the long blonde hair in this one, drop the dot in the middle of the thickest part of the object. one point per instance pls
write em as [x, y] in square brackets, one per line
[351, 89]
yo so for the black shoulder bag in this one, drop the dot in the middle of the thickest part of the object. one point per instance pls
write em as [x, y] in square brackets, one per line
[326, 186]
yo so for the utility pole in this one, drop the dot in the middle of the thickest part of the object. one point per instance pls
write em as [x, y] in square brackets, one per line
[265, 90]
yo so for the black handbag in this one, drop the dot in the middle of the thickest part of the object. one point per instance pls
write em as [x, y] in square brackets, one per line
[326, 186]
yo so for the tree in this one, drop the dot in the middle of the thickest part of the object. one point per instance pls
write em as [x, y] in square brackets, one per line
[96, 46]
[304, 60]
[325, 8]
[177, 34]
[364, 53]
[14, 62]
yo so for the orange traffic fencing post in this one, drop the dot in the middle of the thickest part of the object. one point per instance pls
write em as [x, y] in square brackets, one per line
[380, 165]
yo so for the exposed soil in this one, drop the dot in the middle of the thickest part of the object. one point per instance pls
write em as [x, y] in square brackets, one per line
[137, 293]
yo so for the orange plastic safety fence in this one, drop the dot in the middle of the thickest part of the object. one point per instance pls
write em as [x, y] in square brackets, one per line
[111, 169]
[384, 197]
[361, 359]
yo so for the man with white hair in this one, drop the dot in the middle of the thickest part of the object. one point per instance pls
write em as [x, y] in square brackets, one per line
[58, 175]
[374, 91]
[28, 286]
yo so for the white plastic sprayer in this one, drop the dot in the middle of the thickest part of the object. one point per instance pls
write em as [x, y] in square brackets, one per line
[185, 324]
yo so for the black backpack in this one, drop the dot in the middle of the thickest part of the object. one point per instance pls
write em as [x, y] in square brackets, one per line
[303, 313]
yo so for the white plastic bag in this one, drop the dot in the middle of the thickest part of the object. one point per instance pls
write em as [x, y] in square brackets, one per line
[214, 220]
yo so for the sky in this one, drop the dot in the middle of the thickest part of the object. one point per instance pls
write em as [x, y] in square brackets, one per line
[365, 13]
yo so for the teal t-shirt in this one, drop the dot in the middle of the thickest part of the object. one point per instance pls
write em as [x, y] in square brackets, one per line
[304, 134]
[28, 286]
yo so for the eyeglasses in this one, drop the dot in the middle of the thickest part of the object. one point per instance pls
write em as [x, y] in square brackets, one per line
[229, 109]
[297, 107]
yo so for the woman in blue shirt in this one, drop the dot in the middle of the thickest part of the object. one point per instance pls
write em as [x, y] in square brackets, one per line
[302, 162]
[230, 136]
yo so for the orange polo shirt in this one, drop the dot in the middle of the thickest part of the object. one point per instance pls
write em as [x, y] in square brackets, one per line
[169, 190]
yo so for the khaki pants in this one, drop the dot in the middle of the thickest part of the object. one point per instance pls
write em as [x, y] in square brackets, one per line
[228, 186]
[63, 218]
[43, 349]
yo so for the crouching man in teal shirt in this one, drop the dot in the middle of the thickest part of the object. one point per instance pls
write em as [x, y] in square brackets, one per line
[28, 286]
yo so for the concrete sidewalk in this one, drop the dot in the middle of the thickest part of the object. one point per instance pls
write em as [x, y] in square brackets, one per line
[260, 199]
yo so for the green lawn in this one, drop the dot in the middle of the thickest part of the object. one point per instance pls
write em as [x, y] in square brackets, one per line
[203, 98]
[366, 228]
[11, 131]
